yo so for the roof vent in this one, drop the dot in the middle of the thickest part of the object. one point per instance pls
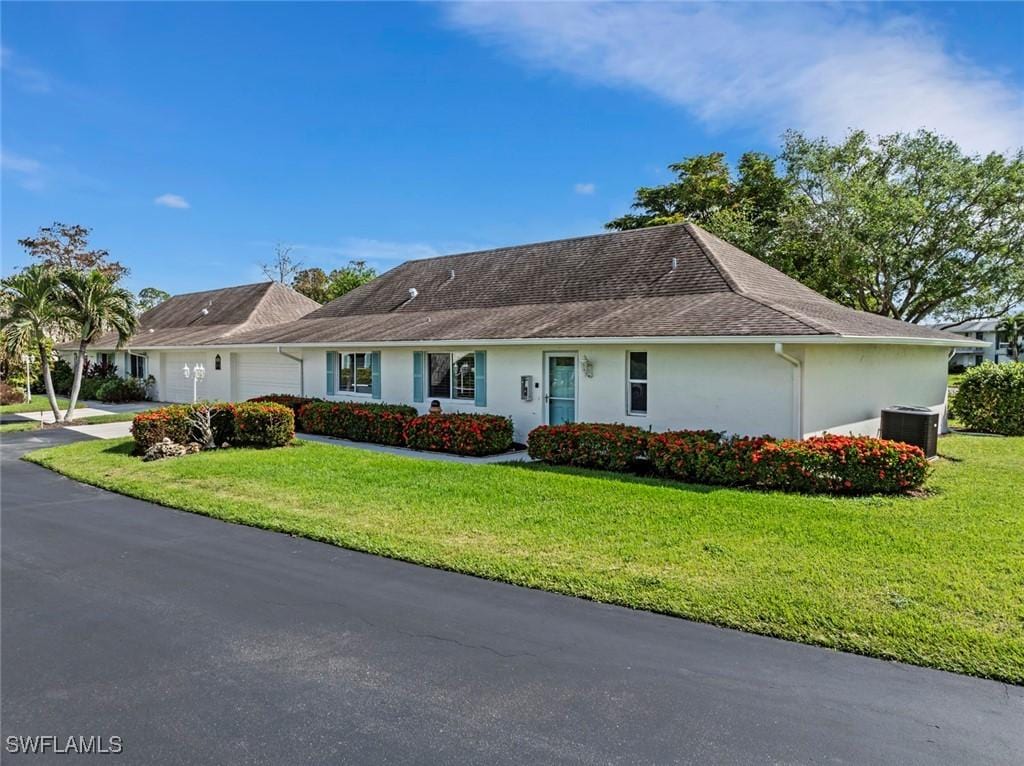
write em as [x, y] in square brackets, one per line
[675, 264]
[413, 292]
[451, 274]
[205, 311]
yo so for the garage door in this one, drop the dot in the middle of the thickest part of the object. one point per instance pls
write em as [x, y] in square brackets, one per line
[258, 374]
[176, 387]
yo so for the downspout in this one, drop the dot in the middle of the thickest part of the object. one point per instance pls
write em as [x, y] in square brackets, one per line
[798, 384]
[302, 373]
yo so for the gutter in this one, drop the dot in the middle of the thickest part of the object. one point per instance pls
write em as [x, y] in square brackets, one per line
[632, 340]
[302, 372]
[798, 385]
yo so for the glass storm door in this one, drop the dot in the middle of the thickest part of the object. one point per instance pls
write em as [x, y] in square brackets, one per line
[561, 383]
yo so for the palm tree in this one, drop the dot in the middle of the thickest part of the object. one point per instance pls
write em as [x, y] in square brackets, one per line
[93, 303]
[1013, 328]
[31, 300]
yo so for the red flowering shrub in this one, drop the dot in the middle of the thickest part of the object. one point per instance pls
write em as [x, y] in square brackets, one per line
[292, 402]
[263, 424]
[605, 446]
[171, 422]
[834, 464]
[460, 434]
[854, 465]
[377, 423]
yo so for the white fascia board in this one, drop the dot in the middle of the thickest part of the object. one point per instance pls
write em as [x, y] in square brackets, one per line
[856, 340]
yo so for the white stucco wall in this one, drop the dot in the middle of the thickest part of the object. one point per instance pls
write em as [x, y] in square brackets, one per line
[735, 388]
[845, 387]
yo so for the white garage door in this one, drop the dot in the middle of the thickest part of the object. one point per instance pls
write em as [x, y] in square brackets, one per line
[175, 386]
[258, 374]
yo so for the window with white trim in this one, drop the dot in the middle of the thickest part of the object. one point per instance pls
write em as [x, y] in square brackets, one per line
[451, 376]
[636, 383]
[137, 365]
[354, 373]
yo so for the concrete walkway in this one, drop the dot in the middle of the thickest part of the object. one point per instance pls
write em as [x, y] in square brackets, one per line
[88, 410]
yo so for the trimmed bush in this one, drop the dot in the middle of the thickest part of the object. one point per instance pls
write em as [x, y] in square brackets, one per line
[990, 399]
[171, 422]
[292, 402]
[263, 424]
[608, 447]
[10, 394]
[460, 434]
[376, 423]
[833, 464]
[118, 390]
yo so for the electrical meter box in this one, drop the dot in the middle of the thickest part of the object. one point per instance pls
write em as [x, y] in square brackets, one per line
[526, 388]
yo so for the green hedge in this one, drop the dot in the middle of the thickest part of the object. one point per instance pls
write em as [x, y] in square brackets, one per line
[263, 424]
[603, 446]
[358, 421]
[829, 464]
[117, 390]
[171, 422]
[460, 434]
[990, 399]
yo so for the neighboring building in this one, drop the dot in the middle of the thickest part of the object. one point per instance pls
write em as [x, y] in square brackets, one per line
[665, 328]
[991, 348]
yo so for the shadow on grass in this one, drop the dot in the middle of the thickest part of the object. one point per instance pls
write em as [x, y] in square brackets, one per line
[119, 448]
[620, 478]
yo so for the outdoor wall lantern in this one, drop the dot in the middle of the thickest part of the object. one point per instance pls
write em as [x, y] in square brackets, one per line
[588, 366]
[198, 372]
[216, 362]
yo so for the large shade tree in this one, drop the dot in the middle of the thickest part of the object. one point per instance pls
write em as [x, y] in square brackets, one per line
[94, 304]
[905, 225]
[31, 301]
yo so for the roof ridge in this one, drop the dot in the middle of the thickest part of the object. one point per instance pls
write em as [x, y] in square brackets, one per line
[600, 235]
[697, 233]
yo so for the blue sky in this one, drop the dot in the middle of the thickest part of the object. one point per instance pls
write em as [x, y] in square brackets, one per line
[192, 137]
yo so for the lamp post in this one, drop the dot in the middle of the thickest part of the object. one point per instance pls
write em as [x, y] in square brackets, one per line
[197, 373]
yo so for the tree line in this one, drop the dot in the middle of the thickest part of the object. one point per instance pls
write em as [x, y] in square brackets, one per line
[904, 225]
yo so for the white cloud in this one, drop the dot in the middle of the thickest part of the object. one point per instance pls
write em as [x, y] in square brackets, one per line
[30, 173]
[585, 188]
[24, 76]
[172, 200]
[819, 69]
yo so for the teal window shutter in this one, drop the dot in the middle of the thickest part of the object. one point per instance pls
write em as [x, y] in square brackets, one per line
[480, 370]
[417, 376]
[332, 364]
[375, 374]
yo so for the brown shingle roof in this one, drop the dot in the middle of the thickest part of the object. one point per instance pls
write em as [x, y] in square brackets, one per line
[181, 321]
[674, 281]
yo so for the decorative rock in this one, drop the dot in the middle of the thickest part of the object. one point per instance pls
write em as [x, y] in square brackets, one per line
[167, 448]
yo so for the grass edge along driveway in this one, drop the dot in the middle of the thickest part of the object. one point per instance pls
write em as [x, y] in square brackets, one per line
[935, 581]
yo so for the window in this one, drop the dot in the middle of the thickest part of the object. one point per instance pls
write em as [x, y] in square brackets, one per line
[452, 376]
[354, 373]
[137, 365]
[637, 382]
[104, 358]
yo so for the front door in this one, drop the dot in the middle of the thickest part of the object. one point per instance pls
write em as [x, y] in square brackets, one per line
[561, 388]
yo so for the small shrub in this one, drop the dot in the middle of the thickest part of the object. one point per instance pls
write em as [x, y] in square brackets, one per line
[376, 423]
[460, 434]
[608, 447]
[11, 395]
[119, 390]
[292, 402]
[172, 422]
[263, 424]
[990, 399]
[62, 376]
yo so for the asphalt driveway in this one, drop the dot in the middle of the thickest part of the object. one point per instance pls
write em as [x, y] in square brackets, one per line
[197, 641]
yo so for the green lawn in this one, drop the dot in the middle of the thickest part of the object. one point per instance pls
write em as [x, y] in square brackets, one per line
[38, 403]
[30, 425]
[953, 381]
[935, 581]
